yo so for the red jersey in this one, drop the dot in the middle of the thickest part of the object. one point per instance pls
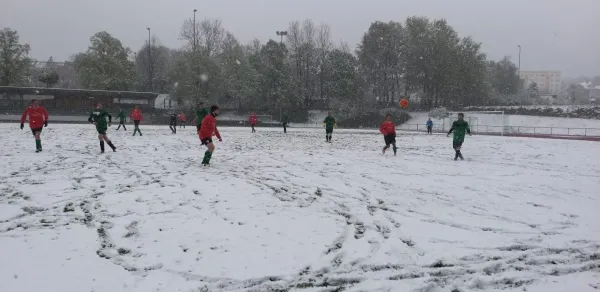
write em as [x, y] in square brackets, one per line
[208, 127]
[387, 128]
[182, 117]
[252, 120]
[136, 115]
[37, 116]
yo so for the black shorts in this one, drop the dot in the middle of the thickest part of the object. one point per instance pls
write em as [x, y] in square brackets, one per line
[101, 131]
[457, 144]
[136, 123]
[36, 130]
[206, 141]
[328, 131]
[122, 123]
[389, 139]
[173, 123]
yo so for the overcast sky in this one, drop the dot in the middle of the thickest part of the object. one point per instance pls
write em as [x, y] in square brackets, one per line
[554, 34]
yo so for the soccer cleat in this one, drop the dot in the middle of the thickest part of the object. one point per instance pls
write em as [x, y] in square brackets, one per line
[38, 150]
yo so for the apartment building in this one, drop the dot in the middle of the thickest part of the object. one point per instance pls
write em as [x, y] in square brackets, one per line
[548, 82]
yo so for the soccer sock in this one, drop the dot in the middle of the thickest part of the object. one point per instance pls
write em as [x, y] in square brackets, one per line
[394, 148]
[111, 145]
[102, 146]
[38, 144]
[207, 156]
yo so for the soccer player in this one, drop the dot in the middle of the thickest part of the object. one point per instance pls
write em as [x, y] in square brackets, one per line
[38, 117]
[98, 118]
[329, 123]
[207, 128]
[136, 115]
[182, 120]
[459, 127]
[173, 123]
[284, 122]
[252, 121]
[201, 112]
[429, 125]
[121, 116]
[388, 129]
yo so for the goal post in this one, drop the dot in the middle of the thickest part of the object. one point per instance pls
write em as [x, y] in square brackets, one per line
[491, 122]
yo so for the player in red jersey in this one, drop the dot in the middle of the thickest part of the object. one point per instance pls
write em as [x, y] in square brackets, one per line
[388, 129]
[207, 129]
[38, 118]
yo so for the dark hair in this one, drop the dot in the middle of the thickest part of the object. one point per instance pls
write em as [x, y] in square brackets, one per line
[388, 115]
[33, 100]
[461, 114]
[213, 108]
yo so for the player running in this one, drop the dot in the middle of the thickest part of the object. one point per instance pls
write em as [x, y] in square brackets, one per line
[252, 121]
[388, 129]
[137, 116]
[98, 118]
[121, 116]
[459, 127]
[329, 123]
[207, 128]
[173, 123]
[38, 118]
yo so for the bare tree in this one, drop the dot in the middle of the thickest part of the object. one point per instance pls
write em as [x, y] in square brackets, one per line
[205, 39]
[324, 46]
[152, 65]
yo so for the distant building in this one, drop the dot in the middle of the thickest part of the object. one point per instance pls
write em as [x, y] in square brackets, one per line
[548, 82]
[592, 91]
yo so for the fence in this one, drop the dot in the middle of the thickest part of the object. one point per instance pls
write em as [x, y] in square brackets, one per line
[523, 130]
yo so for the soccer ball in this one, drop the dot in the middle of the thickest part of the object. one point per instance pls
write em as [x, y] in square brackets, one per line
[404, 103]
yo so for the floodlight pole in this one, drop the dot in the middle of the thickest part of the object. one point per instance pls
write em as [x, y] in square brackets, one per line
[149, 61]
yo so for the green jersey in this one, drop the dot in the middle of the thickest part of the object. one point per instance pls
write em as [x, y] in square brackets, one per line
[329, 122]
[200, 114]
[99, 117]
[460, 128]
[121, 116]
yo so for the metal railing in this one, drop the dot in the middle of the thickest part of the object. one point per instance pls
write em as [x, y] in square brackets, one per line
[526, 130]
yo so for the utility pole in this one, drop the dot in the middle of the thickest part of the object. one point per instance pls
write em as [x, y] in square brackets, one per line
[150, 69]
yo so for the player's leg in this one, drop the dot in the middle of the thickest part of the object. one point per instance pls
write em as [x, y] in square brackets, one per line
[105, 138]
[393, 140]
[101, 138]
[388, 142]
[38, 140]
[210, 148]
[456, 147]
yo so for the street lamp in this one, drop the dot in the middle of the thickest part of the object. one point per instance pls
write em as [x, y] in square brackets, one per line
[519, 60]
[281, 34]
[149, 61]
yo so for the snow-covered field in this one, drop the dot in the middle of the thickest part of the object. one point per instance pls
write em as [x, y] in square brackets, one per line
[288, 212]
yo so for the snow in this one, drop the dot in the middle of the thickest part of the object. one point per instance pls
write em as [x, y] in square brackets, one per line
[290, 212]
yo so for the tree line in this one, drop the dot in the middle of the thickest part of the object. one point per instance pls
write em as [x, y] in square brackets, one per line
[421, 59]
